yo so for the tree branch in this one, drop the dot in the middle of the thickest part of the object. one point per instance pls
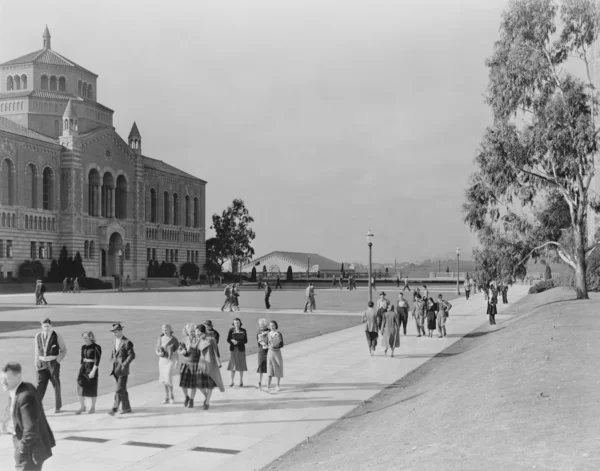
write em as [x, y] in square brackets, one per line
[560, 250]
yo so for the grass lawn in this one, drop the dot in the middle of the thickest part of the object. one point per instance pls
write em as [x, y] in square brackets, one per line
[522, 395]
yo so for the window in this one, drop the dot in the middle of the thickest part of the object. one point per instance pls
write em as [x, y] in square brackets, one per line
[148, 254]
[62, 84]
[53, 83]
[196, 212]
[56, 127]
[17, 82]
[9, 83]
[167, 255]
[1, 248]
[24, 81]
[49, 250]
[166, 207]
[175, 209]
[32, 182]
[121, 198]
[86, 250]
[92, 254]
[127, 251]
[48, 188]
[176, 255]
[32, 251]
[187, 255]
[172, 255]
[42, 251]
[153, 254]
[197, 256]
[152, 205]
[8, 182]
[44, 82]
[187, 211]
[89, 91]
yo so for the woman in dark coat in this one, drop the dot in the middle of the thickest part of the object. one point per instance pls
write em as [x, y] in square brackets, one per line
[237, 340]
[432, 308]
[263, 349]
[189, 356]
[87, 380]
[491, 306]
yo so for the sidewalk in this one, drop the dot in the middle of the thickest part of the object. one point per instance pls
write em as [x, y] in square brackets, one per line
[325, 378]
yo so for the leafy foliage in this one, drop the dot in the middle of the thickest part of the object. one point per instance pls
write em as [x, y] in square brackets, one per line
[189, 269]
[31, 269]
[253, 274]
[543, 139]
[541, 286]
[290, 274]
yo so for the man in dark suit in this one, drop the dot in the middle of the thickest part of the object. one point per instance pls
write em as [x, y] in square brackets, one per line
[121, 357]
[25, 421]
[371, 327]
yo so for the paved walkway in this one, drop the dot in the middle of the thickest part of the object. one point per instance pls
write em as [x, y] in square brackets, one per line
[325, 378]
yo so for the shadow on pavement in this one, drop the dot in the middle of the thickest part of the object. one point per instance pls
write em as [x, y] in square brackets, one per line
[15, 326]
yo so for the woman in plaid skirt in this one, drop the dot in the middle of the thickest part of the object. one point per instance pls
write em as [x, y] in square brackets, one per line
[189, 355]
[209, 375]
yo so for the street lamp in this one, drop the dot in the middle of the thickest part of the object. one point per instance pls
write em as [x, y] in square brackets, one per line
[308, 269]
[458, 270]
[120, 253]
[370, 236]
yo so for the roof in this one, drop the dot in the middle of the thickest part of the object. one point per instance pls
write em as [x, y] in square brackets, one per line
[46, 56]
[134, 131]
[6, 125]
[164, 167]
[70, 111]
[324, 263]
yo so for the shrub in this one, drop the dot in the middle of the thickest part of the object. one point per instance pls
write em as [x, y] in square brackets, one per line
[54, 274]
[166, 270]
[548, 272]
[94, 283]
[189, 269]
[31, 269]
[541, 286]
[253, 274]
[290, 274]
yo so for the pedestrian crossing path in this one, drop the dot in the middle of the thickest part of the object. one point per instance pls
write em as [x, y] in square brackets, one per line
[245, 428]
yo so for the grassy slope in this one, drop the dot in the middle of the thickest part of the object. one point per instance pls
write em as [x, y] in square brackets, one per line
[521, 396]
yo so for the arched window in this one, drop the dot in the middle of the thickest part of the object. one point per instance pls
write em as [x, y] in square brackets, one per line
[127, 251]
[8, 182]
[196, 212]
[89, 91]
[153, 205]
[44, 82]
[175, 209]
[48, 189]
[9, 83]
[121, 198]
[24, 81]
[17, 81]
[56, 128]
[62, 84]
[92, 254]
[108, 185]
[86, 250]
[94, 193]
[26, 222]
[80, 87]
[44, 224]
[14, 220]
[53, 83]
[166, 207]
[32, 184]
[187, 211]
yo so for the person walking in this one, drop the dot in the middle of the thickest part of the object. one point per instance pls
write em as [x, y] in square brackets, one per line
[402, 310]
[341, 282]
[65, 284]
[146, 286]
[467, 288]
[212, 333]
[76, 285]
[25, 420]
[259, 282]
[382, 305]
[274, 358]
[406, 287]
[87, 379]
[425, 293]
[263, 348]
[310, 298]
[227, 303]
[166, 351]
[209, 374]
[442, 314]
[278, 283]
[42, 293]
[431, 316]
[373, 284]
[189, 356]
[504, 293]
[50, 351]
[235, 297]
[492, 309]
[417, 310]
[121, 357]
[333, 282]
[390, 330]
[38, 294]
[237, 338]
[371, 328]
[267, 295]
[128, 281]
[397, 282]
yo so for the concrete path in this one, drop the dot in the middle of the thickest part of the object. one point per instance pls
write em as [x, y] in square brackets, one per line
[325, 378]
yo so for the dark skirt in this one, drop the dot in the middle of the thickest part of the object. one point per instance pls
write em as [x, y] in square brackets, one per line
[188, 375]
[262, 360]
[237, 361]
[431, 322]
[491, 309]
[86, 386]
[205, 381]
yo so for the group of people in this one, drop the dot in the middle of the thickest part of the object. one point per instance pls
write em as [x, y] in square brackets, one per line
[71, 285]
[340, 281]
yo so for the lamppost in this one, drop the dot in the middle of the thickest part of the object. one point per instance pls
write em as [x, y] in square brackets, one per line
[120, 270]
[458, 270]
[370, 236]
[308, 269]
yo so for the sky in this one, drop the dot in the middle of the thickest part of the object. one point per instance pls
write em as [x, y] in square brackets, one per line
[327, 117]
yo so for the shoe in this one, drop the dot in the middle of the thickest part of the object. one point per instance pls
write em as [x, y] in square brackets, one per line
[205, 406]
[419, 335]
[172, 400]
[231, 385]
[166, 401]
[277, 388]
[187, 401]
[259, 387]
[241, 385]
[191, 404]
[112, 412]
[57, 411]
[440, 336]
[92, 410]
[128, 411]
[81, 409]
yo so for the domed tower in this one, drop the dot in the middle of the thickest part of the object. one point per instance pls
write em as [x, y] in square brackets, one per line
[135, 139]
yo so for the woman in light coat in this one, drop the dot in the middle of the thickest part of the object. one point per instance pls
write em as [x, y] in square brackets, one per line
[166, 351]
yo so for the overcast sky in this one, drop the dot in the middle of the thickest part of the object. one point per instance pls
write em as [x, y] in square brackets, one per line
[326, 117]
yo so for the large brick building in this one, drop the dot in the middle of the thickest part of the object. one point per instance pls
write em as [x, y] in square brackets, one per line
[68, 179]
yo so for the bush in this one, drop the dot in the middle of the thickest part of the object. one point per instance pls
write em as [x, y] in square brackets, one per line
[166, 270]
[189, 269]
[94, 283]
[541, 286]
[253, 274]
[290, 274]
[31, 269]
[548, 272]
[53, 274]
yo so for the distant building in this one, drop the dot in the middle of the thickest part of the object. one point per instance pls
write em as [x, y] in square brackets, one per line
[278, 262]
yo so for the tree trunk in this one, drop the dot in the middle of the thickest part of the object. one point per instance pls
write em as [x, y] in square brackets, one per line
[581, 265]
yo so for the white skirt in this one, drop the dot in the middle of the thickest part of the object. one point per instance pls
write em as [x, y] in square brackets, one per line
[166, 369]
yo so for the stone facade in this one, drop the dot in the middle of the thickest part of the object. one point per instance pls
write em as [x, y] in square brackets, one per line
[68, 179]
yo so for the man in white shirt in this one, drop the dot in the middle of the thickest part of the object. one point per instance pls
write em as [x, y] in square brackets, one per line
[49, 350]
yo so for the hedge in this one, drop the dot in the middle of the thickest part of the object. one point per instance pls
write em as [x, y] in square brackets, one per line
[542, 286]
[94, 283]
